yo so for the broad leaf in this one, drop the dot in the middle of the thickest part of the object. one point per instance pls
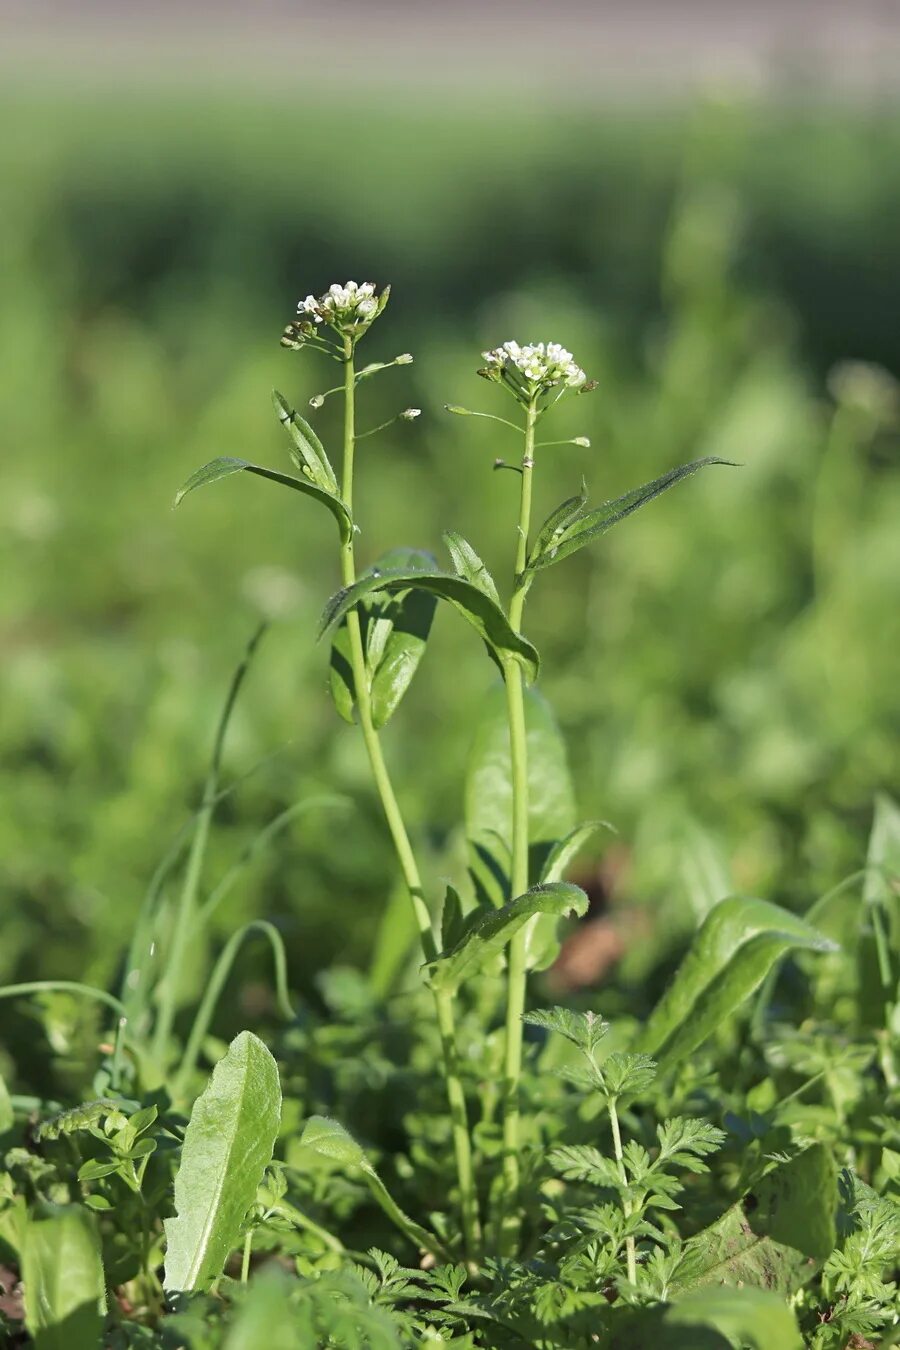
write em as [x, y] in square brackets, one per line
[227, 465]
[62, 1272]
[469, 565]
[751, 1317]
[307, 450]
[778, 1235]
[395, 629]
[590, 525]
[488, 807]
[227, 1147]
[267, 1319]
[736, 946]
[486, 617]
[489, 931]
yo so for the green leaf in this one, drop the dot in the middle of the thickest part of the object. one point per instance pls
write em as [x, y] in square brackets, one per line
[267, 1319]
[469, 565]
[453, 919]
[7, 1115]
[227, 465]
[489, 931]
[564, 851]
[62, 1271]
[395, 629]
[227, 1148]
[584, 1029]
[330, 1140]
[488, 808]
[558, 522]
[486, 617]
[746, 1317]
[590, 525]
[737, 944]
[306, 449]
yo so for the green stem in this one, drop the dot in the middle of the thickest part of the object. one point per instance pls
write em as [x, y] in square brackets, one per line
[630, 1254]
[245, 1261]
[402, 846]
[518, 747]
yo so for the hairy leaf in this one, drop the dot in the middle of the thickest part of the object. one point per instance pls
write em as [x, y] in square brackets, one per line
[227, 465]
[590, 525]
[735, 947]
[564, 851]
[62, 1271]
[490, 930]
[486, 617]
[227, 1147]
[329, 1138]
[558, 522]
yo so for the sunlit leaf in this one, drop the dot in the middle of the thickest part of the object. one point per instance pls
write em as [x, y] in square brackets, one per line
[306, 449]
[227, 1147]
[227, 465]
[62, 1272]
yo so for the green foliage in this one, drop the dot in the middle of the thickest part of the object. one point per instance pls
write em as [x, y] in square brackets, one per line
[62, 1271]
[227, 465]
[227, 1147]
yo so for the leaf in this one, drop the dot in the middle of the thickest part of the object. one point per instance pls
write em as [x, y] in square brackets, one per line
[267, 1320]
[7, 1115]
[778, 1235]
[395, 629]
[489, 931]
[486, 617]
[748, 1317]
[558, 521]
[227, 465]
[62, 1271]
[307, 450]
[227, 1147]
[564, 851]
[590, 525]
[330, 1140]
[488, 808]
[452, 919]
[737, 944]
[584, 1029]
[469, 565]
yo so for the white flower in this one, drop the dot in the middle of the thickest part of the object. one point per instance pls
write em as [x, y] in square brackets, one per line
[410, 414]
[350, 305]
[539, 364]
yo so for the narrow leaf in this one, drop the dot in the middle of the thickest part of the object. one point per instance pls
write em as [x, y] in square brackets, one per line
[558, 522]
[62, 1272]
[227, 1148]
[227, 465]
[590, 525]
[479, 609]
[737, 944]
[564, 851]
[491, 930]
[469, 565]
[306, 449]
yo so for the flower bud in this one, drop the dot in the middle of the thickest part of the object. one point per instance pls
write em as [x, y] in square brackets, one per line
[317, 400]
[410, 414]
[404, 359]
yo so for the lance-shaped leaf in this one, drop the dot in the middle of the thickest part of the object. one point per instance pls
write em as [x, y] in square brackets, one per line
[734, 949]
[488, 931]
[488, 808]
[307, 451]
[486, 617]
[62, 1272]
[558, 522]
[395, 629]
[227, 1147]
[590, 525]
[469, 565]
[227, 465]
[566, 850]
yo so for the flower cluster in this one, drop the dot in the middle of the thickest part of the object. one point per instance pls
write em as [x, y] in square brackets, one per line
[348, 309]
[533, 369]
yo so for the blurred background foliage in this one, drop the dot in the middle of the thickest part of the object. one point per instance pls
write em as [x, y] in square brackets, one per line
[725, 664]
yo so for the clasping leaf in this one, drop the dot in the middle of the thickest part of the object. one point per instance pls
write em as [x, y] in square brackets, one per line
[227, 465]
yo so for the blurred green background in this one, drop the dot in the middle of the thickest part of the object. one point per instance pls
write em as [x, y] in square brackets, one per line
[724, 664]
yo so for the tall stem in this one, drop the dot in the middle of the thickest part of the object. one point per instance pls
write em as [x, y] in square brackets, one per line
[630, 1253]
[518, 748]
[402, 846]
